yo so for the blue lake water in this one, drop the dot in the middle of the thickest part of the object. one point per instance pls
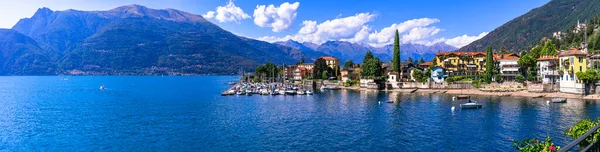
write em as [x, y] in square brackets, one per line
[188, 114]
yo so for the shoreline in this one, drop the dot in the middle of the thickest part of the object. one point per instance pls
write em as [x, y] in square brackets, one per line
[523, 93]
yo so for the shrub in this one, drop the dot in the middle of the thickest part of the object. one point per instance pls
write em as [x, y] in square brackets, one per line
[535, 145]
[581, 128]
[520, 78]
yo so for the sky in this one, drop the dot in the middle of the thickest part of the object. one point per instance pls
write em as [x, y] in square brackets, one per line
[373, 22]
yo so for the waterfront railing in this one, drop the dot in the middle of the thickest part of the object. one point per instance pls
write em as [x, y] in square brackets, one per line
[584, 145]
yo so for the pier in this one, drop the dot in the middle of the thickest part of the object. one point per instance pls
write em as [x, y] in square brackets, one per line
[273, 88]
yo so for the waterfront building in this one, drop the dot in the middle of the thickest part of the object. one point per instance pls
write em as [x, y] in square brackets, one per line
[300, 73]
[572, 61]
[288, 72]
[345, 73]
[547, 67]
[331, 61]
[406, 69]
[507, 66]
[425, 65]
[462, 63]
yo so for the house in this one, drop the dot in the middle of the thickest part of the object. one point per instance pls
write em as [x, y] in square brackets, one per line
[300, 73]
[507, 66]
[393, 80]
[331, 61]
[547, 69]
[462, 63]
[308, 66]
[289, 72]
[572, 61]
[406, 69]
[425, 65]
[345, 73]
[438, 74]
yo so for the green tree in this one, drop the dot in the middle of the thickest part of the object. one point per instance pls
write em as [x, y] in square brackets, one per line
[348, 64]
[324, 75]
[527, 61]
[319, 68]
[417, 74]
[549, 49]
[421, 60]
[489, 65]
[396, 57]
[371, 68]
[368, 56]
[434, 62]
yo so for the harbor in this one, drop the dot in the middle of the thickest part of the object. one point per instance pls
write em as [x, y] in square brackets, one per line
[274, 88]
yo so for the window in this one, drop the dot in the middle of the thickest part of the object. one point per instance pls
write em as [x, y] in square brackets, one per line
[580, 59]
[572, 78]
[580, 69]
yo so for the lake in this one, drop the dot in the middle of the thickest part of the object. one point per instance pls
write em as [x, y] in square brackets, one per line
[188, 114]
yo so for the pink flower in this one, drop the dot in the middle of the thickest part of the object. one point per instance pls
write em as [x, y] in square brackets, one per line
[552, 148]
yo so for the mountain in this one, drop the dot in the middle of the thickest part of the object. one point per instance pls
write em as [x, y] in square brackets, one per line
[527, 29]
[21, 55]
[355, 52]
[136, 40]
[310, 54]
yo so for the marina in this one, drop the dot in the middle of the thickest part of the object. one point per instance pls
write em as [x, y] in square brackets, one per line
[273, 89]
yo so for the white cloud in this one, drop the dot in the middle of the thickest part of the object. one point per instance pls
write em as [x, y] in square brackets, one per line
[463, 40]
[308, 27]
[209, 14]
[279, 18]
[356, 29]
[386, 35]
[227, 13]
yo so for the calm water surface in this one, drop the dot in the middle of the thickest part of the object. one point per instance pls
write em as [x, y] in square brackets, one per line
[188, 114]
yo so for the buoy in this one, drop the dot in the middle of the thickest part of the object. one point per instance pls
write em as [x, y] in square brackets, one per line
[452, 108]
[453, 98]
[547, 101]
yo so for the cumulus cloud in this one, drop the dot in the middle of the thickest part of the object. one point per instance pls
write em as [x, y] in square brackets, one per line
[227, 13]
[356, 29]
[209, 14]
[279, 18]
[463, 40]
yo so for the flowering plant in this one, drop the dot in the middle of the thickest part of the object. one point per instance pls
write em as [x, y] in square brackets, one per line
[535, 145]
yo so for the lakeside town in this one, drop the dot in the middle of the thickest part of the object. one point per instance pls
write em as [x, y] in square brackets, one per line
[543, 71]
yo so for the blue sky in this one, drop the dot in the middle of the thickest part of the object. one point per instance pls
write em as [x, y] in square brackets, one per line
[368, 22]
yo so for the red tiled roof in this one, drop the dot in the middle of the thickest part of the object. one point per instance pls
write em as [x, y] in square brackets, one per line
[547, 58]
[571, 52]
[328, 58]
[506, 57]
[460, 53]
[425, 64]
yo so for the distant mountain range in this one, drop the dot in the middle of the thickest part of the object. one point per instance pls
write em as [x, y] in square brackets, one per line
[356, 52]
[527, 29]
[132, 40]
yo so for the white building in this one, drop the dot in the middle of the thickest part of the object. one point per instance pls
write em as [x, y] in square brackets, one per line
[547, 69]
[507, 66]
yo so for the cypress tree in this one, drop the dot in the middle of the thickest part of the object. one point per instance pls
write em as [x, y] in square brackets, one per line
[489, 65]
[396, 57]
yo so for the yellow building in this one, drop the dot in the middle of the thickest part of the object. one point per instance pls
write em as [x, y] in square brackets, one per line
[461, 63]
[332, 62]
[572, 61]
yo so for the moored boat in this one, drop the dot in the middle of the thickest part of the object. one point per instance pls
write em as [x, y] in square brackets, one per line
[559, 100]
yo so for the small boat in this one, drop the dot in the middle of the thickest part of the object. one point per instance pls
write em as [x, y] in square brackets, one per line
[231, 83]
[559, 100]
[390, 101]
[290, 92]
[300, 92]
[239, 92]
[471, 105]
[102, 87]
[308, 92]
[248, 93]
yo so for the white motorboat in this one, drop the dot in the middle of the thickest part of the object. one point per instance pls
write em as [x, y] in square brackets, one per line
[308, 92]
[290, 92]
[102, 87]
[300, 92]
[471, 105]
